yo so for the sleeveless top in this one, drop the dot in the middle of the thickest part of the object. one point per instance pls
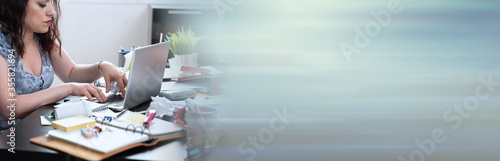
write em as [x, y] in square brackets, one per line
[25, 82]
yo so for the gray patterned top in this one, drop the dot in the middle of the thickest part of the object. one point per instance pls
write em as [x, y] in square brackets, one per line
[25, 82]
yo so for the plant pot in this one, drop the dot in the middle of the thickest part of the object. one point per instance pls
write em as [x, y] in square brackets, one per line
[189, 59]
[175, 66]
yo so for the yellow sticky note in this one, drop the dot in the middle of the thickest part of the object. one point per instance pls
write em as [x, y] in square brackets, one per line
[73, 123]
[135, 118]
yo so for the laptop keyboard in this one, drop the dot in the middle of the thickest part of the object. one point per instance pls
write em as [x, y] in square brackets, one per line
[114, 100]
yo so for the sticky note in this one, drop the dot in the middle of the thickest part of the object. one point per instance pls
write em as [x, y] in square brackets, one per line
[73, 123]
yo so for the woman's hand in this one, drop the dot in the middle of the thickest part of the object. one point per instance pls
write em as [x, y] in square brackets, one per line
[111, 73]
[88, 90]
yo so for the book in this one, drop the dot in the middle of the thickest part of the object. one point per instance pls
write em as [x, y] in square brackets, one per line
[117, 135]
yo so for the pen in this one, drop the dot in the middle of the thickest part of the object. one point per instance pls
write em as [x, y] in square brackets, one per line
[120, 113]
[48, 118]
[168, 39]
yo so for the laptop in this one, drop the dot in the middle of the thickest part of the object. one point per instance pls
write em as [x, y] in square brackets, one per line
[145, 77]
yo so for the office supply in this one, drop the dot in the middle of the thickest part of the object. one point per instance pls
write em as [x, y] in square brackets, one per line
[179, 118]
[161, 37]
[204, 124]
[44, 121]
[178, 94]
[116, 137]
[105, 113]
[105, 143]
[149, 117]
[135, 118]
[75, 107]
[87, 132]
[48, 118]
[108, 118]
[168, 38]
[98, 129]
[159, 127]
[73, 123]
[123, 111]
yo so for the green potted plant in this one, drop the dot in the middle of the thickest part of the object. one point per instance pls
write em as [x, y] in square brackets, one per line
[183, 45]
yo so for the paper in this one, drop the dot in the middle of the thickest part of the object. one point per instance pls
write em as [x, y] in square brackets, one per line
[177, 85]
[74, 108]
[73, 123]
[128, 61]
[135, 118]
[103, 113]
[44, 121]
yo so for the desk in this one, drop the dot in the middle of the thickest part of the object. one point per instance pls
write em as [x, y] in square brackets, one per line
[30, 127]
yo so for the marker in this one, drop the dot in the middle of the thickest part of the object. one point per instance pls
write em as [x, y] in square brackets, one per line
[149, 117]
[161, 37]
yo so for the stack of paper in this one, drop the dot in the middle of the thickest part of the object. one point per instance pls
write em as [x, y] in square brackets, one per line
[73, 123]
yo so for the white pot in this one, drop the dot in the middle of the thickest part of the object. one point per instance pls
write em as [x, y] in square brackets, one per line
[175, 66]
[189, 59]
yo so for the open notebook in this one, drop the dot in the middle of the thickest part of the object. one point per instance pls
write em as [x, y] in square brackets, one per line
[119, 135]
[105, 142]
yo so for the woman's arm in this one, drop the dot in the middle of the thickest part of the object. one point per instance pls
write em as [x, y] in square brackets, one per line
[68, 71]
[25, 104]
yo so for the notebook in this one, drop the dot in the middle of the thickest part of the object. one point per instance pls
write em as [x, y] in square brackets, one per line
[105, 142]
[117, 136]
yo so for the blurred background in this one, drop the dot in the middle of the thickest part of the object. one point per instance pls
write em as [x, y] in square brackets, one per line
[376, 80]
[389, 94]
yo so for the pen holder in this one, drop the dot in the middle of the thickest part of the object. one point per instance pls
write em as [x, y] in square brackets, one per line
[121, 58]
[201, 130]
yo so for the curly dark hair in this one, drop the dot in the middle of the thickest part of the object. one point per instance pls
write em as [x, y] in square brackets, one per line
[12, 13]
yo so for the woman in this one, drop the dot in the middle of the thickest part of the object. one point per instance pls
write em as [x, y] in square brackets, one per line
[31, 53]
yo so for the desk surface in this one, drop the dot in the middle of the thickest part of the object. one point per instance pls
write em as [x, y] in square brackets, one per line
[30, 127]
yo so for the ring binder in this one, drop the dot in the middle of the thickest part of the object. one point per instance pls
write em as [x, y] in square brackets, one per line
[119, 138]
[136, 127]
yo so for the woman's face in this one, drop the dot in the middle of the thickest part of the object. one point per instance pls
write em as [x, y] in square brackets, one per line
[39, 14]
